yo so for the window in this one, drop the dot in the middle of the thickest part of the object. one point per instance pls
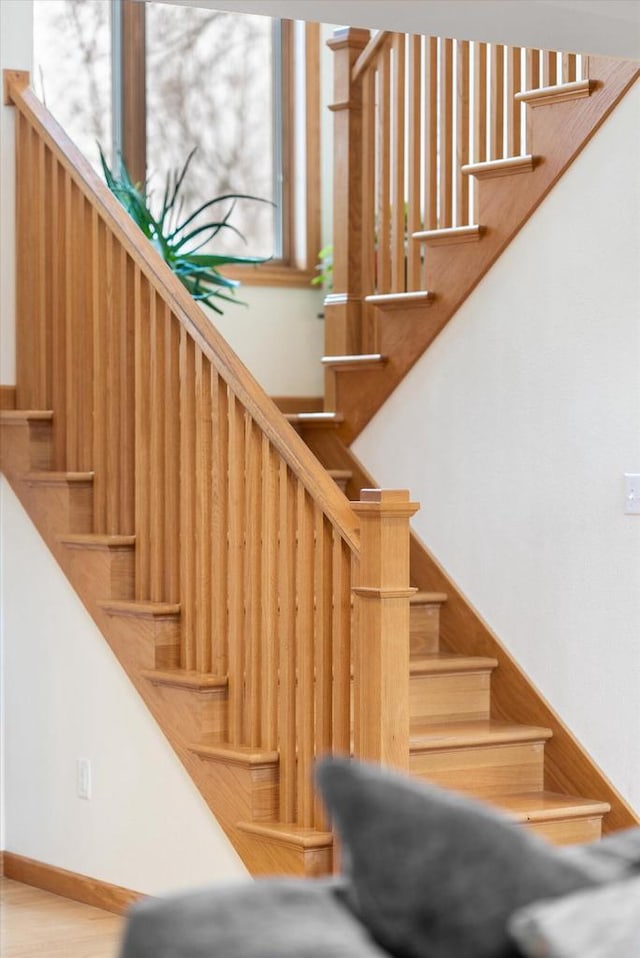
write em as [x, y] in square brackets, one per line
[241, 89]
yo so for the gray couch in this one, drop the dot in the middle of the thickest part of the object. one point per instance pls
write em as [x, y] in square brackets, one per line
[427, 874]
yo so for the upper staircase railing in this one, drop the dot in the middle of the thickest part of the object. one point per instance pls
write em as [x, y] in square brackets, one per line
[235, 521]
[413, 116]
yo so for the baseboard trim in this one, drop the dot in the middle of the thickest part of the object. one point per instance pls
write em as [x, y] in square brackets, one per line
[59, 881]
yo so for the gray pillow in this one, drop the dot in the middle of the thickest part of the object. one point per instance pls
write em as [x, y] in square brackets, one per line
[435, 874]
[265, 919]
[622, 847]
[601, 922]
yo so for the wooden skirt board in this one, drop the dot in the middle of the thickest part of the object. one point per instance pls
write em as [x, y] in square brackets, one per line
[35, 922]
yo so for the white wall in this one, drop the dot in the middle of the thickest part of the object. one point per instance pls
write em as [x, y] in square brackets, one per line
[146, 826]
[278, 336]
[514, 430]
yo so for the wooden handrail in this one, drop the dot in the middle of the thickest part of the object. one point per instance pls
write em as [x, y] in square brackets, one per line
[282, 435]
[370, 52]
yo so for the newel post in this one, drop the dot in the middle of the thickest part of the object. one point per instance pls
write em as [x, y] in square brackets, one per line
[381, 634]
[342, 307]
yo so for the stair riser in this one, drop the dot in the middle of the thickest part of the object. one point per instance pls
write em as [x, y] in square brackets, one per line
[61, 508]
[484, 769]
[194, 713]
[263, 857]
[145, 643]
[253, 790]
[569, 831]
[25, 447]
[456, 698]
[424, 629]
[108, 573]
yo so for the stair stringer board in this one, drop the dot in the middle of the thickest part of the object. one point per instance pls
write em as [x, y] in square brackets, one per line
[557, 134]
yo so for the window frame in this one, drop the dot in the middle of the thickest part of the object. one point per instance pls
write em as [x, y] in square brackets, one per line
[297, 266]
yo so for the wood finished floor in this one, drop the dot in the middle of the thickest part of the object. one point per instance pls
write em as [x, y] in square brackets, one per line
[34, 923]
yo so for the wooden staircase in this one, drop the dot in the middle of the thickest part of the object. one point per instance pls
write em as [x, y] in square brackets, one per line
[263, 619]
[453, 741]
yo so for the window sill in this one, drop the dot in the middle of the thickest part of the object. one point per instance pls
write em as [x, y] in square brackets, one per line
[270, 274]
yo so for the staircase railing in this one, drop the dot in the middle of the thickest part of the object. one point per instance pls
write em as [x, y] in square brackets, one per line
[412, 113]
[234, 518]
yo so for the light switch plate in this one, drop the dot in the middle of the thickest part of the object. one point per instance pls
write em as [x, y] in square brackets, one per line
[632, 493]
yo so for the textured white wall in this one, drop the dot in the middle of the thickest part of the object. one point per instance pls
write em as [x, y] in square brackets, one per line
[514, 430]
[146, 826]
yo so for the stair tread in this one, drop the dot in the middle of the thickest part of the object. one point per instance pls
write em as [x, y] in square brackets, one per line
[505, 166]
[449, 235]
[357, 359]
[425, 598]
[289, 833]
[47, 476]
[97, 540]
[557, 93]
[472, 733]
[143, 609]
[435, 663]
[313, 418]
[235, 754]
[26, 415]
[185, 678]
[417, 297]
[547, 806]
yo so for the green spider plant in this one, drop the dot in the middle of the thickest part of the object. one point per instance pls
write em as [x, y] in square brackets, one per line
[177, 239]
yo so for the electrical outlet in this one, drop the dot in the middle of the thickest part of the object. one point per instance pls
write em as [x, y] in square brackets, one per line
[83, 778]
[632, 494]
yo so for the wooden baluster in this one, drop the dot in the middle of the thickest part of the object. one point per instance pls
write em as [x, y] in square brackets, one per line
[304, 655]
[479, 114]
[533, 69]
[39, 279]
[87, 255]
[203, 517]
[343, 307]
[171, 508]
[253, 581]
[71, 342]
[50, 238]
[341, 644]
[569, 67]
[154, 480]
[323, 665]
[188, 530]
[127, 426]
[414, 218]
[381, 661]
[269, 610]
[369, 339]
[220, 524]
[398, 220]
[431, 133]
[514, 85]
[25, 306]
[462, 133]
[142, 313]
[113, 374]
[236, 586]
[287, 646]
[58, 333]
[549, 68]
[497, 102]
[384, 175]
[445, 218]
[100, 398]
